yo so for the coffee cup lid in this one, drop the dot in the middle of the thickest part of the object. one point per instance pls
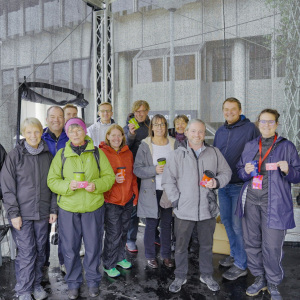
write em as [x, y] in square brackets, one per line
[161, 159]
[79, 172]
[209, 174]
[121, 168]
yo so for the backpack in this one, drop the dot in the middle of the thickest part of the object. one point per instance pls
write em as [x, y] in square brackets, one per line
[63, 160]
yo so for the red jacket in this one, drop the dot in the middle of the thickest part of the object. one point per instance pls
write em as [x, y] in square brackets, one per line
[121, 193]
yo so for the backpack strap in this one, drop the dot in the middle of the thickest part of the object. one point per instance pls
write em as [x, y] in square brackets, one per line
[63, 159]
[97, 157]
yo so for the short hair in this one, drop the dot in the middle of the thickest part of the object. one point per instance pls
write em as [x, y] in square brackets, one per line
[183, 117]
[274, 112]
[137, 104]
[109, 130]
[163, 119]
[31, 122]
[69, 106]
[194, 121]
[54, 106]
[233, 100]
[105, 103]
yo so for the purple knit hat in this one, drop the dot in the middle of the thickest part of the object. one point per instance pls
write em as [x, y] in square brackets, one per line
[77, 121]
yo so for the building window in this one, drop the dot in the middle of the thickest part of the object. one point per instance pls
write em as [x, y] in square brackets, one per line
[51, 14]
[7, 83]
[221, 64]
[14, 18]
[150, 70]
[184, 67]
[260, 61]
[61, 78]
[26, 71]
[81, 74]
[32, 15]
[42, 75]
[281, 65]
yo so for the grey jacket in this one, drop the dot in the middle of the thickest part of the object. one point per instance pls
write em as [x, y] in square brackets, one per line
[181, 178]
[24, 184]
[144, 169]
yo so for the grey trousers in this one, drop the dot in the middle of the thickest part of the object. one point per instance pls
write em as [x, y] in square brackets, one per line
[183, 232]
[263, 245]
[31, 244]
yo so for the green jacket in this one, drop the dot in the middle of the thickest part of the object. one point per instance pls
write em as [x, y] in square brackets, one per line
[80, 201]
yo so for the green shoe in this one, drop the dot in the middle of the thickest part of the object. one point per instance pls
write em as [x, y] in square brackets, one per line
[125, 264]
[112, 272]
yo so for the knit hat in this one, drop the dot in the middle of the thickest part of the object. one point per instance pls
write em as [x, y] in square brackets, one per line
[77, 121]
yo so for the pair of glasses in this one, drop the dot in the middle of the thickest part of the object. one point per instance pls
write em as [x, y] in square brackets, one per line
[140, 111]
[159, 125]
[105, 111]
[76, 132]
[265, 122]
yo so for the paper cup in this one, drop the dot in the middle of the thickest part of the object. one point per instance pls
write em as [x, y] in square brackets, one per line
[79, 176]
[121, 171]
[255, 172]
[134, 121]
[161, 161]
[207, 176]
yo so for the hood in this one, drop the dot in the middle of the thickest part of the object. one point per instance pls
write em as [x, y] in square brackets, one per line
[243, 120]
[103, 145]
[21, 144]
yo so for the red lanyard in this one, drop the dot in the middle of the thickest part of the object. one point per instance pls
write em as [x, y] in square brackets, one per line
[267, 153]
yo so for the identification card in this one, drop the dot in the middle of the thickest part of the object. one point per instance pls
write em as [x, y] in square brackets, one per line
[257, 182]
[271, 166]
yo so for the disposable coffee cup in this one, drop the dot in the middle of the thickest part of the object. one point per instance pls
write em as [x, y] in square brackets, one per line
[207, 176]
[255, 171]
[134, 122]
[121, 171]
[79, 176]
[161, 161]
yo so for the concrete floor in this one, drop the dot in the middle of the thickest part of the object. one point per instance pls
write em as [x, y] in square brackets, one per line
[144, 283]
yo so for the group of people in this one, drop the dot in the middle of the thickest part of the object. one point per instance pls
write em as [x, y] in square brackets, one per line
[105, 177]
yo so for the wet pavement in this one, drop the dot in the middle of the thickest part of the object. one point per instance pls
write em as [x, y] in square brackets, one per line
[144, 283]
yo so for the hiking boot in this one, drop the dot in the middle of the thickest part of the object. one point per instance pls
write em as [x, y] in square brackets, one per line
[175, 286]
[45, 277]
[131, 247]
[210, 282]
[168, 262]
[152, 263]
[273, 291]
[94, 291]
[260, 284]
[25, 297]
[227, 262]
[112, 272]
[39, 293]
[234, 273]
[125, 264]
[63, 269]
[73, 294]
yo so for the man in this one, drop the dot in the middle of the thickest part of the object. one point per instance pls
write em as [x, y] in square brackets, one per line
[56, 138]
[98, 130]
[193, 203]
[140, 110]
[230, 139]
[70, 111]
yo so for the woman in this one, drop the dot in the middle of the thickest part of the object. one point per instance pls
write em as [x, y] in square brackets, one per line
[266, 202]
[180, 122]
[119, 201]
[156, 145]
[30, 206]
[80, 201]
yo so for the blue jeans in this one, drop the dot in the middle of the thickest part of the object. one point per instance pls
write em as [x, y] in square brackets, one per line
[228, 198]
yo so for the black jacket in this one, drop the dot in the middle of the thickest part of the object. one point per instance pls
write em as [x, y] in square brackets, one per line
[24, 184]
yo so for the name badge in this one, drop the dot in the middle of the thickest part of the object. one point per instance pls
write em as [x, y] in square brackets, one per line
[257, 182]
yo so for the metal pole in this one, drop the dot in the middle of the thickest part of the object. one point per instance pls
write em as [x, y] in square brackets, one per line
[172, 68]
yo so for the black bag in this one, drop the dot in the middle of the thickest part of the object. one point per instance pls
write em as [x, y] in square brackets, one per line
[213, 206]
[5, 227]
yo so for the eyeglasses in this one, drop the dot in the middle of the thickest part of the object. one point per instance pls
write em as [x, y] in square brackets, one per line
[105, 111]
[76, 132]
[159, 125]
[140, 111]
[265, 122]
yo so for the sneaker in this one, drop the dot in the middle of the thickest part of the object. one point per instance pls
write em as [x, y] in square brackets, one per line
[39, 293]
[227, 261]
[73, 294]
[94, 291]
[273, 291]
[175, 286]
[260, 284]
[112, 272]
[25, 297]
[234, 273]
[131, 247]
[210, 282]
[63, 269]
[45, 277]
[125, 264]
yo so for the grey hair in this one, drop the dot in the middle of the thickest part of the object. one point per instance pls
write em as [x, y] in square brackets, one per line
[194, 121]
[34, 122]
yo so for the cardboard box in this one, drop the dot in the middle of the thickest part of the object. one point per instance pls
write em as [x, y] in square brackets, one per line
[221, 242]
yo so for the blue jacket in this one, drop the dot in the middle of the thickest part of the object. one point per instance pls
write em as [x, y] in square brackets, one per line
[231, 140]
[280, 202]
[53, 145]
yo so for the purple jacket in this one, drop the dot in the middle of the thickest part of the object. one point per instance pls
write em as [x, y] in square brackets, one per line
[280, 203]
